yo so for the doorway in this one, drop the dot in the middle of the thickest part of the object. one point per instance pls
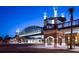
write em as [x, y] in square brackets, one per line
[50, 40]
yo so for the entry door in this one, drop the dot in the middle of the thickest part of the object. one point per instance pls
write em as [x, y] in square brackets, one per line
[49, 41]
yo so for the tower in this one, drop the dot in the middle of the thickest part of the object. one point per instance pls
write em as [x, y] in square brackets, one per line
[45, 15]
[17, 31]
[55, 12]
[51, 32]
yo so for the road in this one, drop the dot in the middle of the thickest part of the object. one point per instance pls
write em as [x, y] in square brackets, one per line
[33, 50]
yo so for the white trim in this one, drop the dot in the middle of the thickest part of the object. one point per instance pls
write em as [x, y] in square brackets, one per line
[48, 38]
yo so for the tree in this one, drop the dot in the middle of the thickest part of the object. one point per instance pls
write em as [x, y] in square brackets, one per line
[1, 39]
[7, 39]
[71, 19]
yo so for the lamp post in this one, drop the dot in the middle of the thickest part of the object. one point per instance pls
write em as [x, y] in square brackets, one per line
[71, 19]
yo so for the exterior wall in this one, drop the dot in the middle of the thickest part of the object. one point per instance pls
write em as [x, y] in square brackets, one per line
[1, 41]
[57, 37]
[13, 41]
[50, 33]
[53, 33]
[78, 36]
[26, 41]
[34, 41]
[75, 30]
[77, 41]
[67, 33]
[68, 37]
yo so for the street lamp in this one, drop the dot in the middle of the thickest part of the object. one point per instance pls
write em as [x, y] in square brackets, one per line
[71, 19]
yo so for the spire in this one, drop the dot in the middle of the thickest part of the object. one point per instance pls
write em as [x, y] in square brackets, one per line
[45, 15]
[17, 31]
[62, 15]
[55, 12]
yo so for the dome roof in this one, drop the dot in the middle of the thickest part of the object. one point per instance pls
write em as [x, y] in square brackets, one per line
[31, 29]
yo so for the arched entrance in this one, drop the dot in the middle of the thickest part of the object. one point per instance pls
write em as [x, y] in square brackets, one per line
[49, 41]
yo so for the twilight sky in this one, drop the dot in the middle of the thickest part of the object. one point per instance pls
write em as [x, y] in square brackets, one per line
[14, 17]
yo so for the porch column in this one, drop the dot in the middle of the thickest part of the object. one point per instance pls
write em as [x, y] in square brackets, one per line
[58, 42]
[45, 42]
[63, 42]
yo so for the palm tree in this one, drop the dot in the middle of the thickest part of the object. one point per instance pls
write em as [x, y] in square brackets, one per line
[71, 10]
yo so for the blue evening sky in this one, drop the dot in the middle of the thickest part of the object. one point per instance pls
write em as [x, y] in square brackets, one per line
[14, 17]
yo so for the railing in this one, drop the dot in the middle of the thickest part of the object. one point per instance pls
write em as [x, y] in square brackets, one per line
[68, 24]
[62, 25]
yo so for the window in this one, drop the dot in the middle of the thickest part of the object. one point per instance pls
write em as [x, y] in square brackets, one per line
[39, 40]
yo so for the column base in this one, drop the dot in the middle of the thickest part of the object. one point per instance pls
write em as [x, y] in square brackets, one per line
[45, 44]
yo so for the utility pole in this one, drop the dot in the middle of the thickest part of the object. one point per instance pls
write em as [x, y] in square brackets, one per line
[71, 19]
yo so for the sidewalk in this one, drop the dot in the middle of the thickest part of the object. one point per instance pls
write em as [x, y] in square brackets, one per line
[50, 47]
[76, 49]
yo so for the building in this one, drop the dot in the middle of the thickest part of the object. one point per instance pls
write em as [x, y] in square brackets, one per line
[52, 35]
[56, 32]
[31, 35]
